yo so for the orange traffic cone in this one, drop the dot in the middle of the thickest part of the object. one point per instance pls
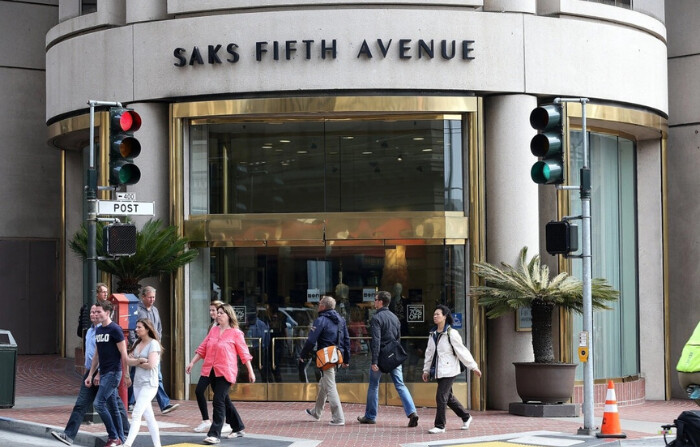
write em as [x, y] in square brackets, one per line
[611, 419]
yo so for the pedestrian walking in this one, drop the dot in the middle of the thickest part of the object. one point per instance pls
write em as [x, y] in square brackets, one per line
[86, 395]
[220, 350]
[203, 383]
[147, 309]
[384, 328]
[145, 357]
[328, 329]
[443, 355]
[111, 356]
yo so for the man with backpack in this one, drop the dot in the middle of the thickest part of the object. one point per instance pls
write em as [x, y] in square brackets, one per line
[328, 330]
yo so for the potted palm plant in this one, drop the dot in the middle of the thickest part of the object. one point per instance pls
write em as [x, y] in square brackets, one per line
[506, 289]
[159, 250]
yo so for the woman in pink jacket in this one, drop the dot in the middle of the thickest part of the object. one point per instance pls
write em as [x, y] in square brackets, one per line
[220, 349]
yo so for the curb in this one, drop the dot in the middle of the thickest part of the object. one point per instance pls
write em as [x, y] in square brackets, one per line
[44, 432]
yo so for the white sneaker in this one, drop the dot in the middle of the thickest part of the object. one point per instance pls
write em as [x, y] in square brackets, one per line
[236, 434]
[436, 430]
[467, 423]
[226, 428]
[203, 427]
[211, 440]
[338, 423]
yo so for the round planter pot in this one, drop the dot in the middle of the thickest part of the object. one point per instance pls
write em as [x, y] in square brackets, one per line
[548, 383]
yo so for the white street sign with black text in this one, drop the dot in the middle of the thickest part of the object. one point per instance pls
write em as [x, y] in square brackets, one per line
[119, 208]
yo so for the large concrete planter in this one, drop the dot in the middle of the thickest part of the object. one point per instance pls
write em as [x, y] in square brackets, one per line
[548, 383]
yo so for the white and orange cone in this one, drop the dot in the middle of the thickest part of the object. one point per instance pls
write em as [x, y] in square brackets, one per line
[610, 428]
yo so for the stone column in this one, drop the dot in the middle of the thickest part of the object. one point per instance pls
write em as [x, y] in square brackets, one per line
[512, 221]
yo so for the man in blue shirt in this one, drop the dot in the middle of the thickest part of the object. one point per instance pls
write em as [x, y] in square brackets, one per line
[149, 311]
[86, 395]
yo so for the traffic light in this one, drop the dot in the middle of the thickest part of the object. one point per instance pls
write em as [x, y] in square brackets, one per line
[561, 237]
[548, 144]
[119, 239]
[123, 147]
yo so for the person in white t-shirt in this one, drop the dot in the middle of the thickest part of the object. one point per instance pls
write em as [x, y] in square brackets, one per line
[145, 357]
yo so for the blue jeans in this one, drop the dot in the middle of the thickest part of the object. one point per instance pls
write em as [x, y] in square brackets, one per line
[161, 396]
[86, 396]
[106, 404]
[373, 393]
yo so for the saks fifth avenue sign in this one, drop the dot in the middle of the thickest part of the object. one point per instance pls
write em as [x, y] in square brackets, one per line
[328, 49]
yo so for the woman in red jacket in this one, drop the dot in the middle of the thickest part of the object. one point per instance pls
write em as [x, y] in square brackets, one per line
[220, 349]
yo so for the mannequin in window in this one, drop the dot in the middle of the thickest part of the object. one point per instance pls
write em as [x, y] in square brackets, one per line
[342, 293]
[397, 306]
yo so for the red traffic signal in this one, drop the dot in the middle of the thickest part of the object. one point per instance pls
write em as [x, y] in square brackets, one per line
[127, 120]
[123, 147]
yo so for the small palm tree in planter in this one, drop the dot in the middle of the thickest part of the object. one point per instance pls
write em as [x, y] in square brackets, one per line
[506, 289]
[159, 251]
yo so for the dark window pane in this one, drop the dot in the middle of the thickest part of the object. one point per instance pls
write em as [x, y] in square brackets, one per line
[332, 166]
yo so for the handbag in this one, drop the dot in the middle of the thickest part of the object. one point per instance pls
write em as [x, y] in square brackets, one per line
[391, 356]
[432, 365]
[328, 357]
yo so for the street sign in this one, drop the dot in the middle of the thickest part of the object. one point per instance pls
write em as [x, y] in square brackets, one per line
[126, 196]
[117, 208]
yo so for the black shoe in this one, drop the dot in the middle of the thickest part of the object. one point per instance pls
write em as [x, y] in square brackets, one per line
[62, 437]
[169, 408]
[413, 420]
[364, 420]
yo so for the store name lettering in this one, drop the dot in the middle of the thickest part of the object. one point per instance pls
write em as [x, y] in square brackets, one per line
[328, 49]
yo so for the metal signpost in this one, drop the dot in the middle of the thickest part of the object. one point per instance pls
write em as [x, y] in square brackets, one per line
[91, 194]
[126, 204]
[585, 193]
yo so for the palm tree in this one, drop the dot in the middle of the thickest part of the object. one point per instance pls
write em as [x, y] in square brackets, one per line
[159, 251]
[507, 288]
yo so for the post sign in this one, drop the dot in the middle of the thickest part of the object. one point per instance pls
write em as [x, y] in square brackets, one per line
[120, 208]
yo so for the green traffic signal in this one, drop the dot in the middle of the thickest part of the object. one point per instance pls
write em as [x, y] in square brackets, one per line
[123, 147]
[547, 144]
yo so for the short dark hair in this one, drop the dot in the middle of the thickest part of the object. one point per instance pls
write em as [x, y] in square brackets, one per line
[447, 313]
[384, 297]
[105, 305]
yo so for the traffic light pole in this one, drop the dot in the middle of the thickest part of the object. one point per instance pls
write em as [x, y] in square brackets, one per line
[586, 258]
[91, 195]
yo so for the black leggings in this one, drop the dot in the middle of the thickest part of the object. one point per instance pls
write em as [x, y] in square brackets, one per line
[232, 416]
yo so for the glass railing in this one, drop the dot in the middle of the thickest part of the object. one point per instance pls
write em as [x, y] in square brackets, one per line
[278, 362]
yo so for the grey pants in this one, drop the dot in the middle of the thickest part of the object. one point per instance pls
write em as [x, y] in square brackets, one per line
[328, 390]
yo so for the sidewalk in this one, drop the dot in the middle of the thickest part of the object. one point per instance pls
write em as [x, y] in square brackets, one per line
[47, 387]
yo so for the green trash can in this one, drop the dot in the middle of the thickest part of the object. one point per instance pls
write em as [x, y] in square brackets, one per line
[8, 369]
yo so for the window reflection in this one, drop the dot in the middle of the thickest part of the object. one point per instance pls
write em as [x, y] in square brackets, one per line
[331, 166]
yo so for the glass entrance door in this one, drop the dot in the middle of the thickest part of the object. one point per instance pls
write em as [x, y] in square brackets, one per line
[275, 292]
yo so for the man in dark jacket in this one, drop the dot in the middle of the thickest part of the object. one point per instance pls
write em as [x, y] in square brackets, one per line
[385, 327]
[328, 329]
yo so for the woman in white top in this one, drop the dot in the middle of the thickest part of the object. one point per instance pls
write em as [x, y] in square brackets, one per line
[145, 356]
[442, 356]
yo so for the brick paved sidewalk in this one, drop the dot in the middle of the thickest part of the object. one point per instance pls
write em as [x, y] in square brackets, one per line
[53, 377]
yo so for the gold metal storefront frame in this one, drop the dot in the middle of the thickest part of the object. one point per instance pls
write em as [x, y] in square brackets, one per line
[429, 228]
[402, 228]
[635, 125]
